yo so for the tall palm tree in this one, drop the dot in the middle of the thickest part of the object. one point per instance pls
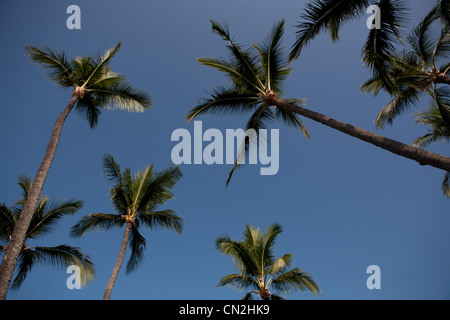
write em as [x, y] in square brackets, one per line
[257, 267]
[136, 200]
[256, 74]
[45, 216]
[95, 87]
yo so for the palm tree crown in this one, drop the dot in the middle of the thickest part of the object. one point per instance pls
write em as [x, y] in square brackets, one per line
[93, 80]
[257, 267]
[45, 216]
[136, 200]
[256, 75]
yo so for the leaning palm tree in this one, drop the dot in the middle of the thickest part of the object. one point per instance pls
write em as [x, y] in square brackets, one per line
[258, 269]
[95, 88]
[45, 216]
[136, 200]
[256, 75]
[420, 69]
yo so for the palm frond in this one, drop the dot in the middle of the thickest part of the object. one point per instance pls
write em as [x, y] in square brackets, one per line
[164, 218]
[224, 101]
[379, 47]
[421, 40]
[63, 256]
[294, 280]
[50, 215]
[446, 185]
[398, 105]
[27, 260]
[273, 59]
[100, 65]
[240, 255]
[280, 265]
[96, 221]
[59, 68]
[137, 244]
[120, 96]
[7, 224]
[237, 76]
[238, 282]
[320, 15]
[88, 107]
[159, 190]
[249, 295]
[244, 60]
[265, 250]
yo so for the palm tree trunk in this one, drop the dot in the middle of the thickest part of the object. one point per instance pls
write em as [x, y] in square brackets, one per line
[115, 272]
[18, 237]
[422, 156]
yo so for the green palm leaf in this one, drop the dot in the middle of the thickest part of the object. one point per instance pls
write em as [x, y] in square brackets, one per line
[59, 68]
[96, 221]
[325, 14]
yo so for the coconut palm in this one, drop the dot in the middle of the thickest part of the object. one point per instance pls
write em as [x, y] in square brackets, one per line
[95, 88]
[331, 15]
[258, 269]
[421, 68]
[45, 216]
[136, 200]
[256, 76]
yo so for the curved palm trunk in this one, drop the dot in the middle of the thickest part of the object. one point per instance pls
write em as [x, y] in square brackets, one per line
[115, 272]
[18, 237]
[422, 156]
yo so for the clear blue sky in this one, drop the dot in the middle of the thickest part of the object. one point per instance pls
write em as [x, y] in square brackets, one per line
[343, 204]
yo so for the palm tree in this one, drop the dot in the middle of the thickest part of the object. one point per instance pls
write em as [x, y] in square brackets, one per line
[136, 200]
[420, 69]
[256, 74]
[331, 15]
[45, 216]
[257, 267]
[95, 87]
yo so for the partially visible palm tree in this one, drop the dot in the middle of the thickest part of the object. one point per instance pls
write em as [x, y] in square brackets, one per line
[136, 200]
[418, 70]
[258, 269]
[331, 15]
[45, 216]
[377, 52]
[95, 88]
[422, 68]
[256, 76]
[439, 131]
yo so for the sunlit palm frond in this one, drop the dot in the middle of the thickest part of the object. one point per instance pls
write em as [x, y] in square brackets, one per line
[293, 280]
[58, 66]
